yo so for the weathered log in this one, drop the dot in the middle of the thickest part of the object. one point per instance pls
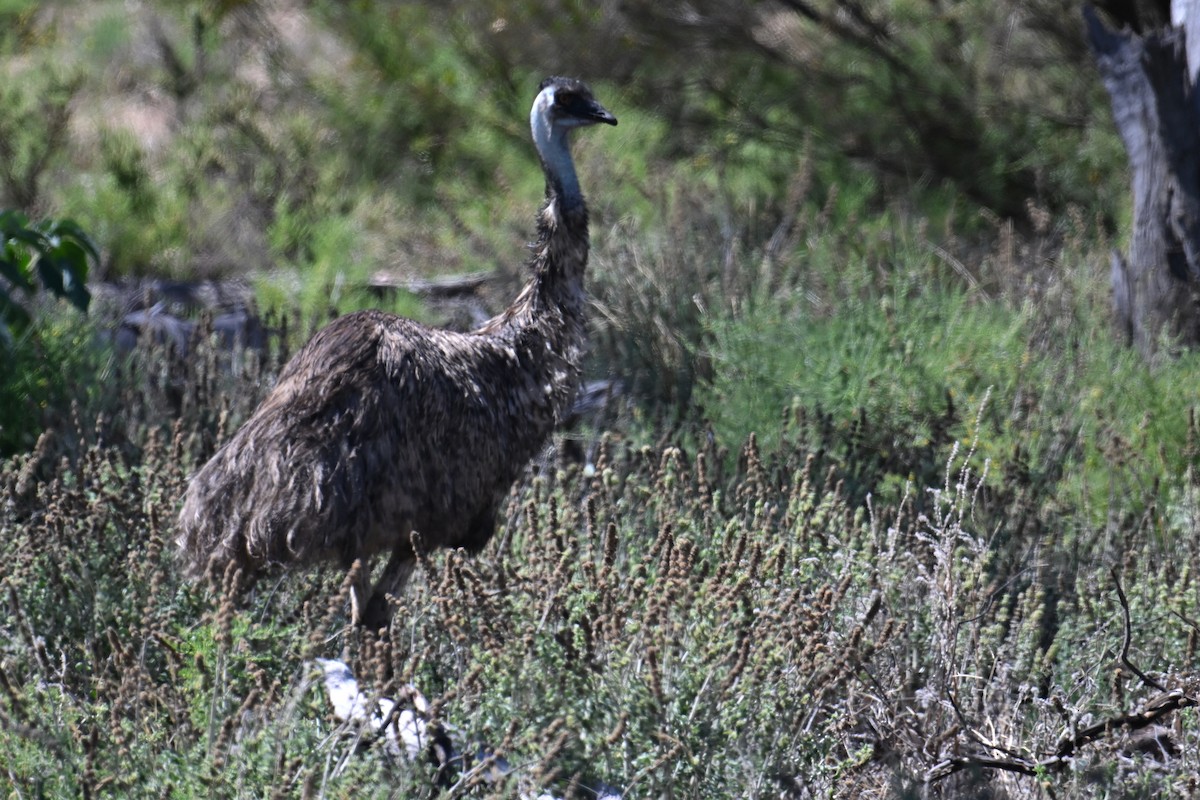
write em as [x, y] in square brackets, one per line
[448, 286]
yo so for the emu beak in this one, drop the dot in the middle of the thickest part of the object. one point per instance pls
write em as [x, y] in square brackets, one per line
[598, 113]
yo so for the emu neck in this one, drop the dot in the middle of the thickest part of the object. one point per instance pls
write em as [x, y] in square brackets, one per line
[544, 326]
[550, 307]
[548, 314]
[562, 247]
[555, 152]
[561, 254]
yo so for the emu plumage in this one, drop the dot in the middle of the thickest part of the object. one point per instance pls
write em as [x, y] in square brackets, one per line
[381, 426]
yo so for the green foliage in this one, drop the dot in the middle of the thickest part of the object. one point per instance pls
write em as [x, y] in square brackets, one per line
[35, 111]
[44, 364]
[333, 278]
[55, 251]
[58, 362]
[895, 357]
[139, 219]
[412, 111]
[960, 96]
[58, 249]
[874, 356]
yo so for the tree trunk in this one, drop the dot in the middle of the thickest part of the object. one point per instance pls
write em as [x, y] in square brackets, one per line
[1157, 113]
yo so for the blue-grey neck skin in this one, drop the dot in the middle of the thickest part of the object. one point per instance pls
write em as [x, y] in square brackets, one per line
[553, 148]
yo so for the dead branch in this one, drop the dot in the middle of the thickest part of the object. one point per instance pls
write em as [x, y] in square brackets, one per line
[449, 286]
[1129, 635]
[1153, 711]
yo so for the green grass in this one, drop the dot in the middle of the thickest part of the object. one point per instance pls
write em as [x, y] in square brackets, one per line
[891, 358]
[886, 346]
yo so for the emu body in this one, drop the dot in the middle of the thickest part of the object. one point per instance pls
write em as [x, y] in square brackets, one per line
[380, 426]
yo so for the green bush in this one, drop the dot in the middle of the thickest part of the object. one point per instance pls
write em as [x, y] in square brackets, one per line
[55, 251]
[895, 358]
[876, 355]
[57, 363]
[49, 359]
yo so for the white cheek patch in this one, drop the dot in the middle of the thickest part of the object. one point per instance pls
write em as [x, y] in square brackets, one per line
[539, 117]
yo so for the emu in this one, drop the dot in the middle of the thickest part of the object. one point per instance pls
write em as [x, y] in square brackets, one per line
[381, 427]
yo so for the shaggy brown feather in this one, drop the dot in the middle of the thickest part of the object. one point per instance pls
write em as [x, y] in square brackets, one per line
[381, 426]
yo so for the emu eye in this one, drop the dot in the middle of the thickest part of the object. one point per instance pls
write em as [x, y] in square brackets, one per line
[564, 98]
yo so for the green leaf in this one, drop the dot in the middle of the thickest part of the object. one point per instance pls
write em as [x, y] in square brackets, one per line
[13, 272]
[71, 261]
[71, 254]
[28, 236]
[71, 230]
[11, 220]
[59, 249]
[75, 288]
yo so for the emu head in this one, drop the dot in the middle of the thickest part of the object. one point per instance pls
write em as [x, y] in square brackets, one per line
[563, 104]
[566, 103]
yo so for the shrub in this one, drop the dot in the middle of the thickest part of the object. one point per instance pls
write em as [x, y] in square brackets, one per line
[48, 361]
[662, 621]
[56, 251]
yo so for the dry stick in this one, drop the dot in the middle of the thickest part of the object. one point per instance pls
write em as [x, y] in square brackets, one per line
[952, 765]
[1129, 635]
[1154, 710]
[370, 737]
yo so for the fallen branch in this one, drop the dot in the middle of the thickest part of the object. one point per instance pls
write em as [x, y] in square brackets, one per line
[1154, 710]
[449, 286]
[1150, 713]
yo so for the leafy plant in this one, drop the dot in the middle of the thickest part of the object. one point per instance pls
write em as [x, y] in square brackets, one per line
[52, 253]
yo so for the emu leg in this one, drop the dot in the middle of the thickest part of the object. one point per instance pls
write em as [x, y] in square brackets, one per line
[360, 591]
[395, 575]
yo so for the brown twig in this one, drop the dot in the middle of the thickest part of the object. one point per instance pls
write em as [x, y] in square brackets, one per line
[1191, 623]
